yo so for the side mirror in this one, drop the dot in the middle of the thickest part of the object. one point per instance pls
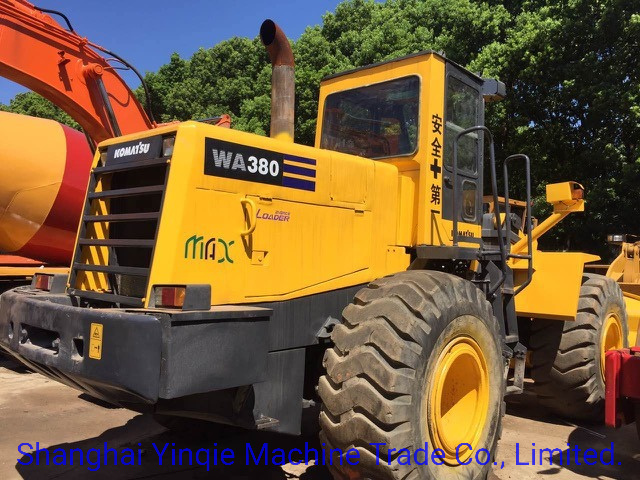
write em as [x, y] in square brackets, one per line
[493, 90]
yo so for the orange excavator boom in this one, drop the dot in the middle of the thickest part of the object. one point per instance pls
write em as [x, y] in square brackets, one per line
[40, 209]
[57, 63]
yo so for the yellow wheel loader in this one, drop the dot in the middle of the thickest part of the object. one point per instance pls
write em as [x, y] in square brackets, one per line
[226, 276]
[571, 315]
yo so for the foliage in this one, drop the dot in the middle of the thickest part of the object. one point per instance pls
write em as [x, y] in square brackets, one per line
[571, 70]
[31, 103]
[572, 73]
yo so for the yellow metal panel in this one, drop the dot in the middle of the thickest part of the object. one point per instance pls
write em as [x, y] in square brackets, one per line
[558, 192]
[430, 228]
[555, 288]
[304, 242]
[565, 193]
[408, 211]
[309, 258]
[350, 228]
[414, 220]
[350, 182]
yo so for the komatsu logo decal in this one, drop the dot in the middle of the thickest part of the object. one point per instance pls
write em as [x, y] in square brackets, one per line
[144, 149]
[133, 150]
[231, 160]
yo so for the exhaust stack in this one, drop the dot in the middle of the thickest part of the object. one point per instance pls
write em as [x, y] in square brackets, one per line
[282, 80]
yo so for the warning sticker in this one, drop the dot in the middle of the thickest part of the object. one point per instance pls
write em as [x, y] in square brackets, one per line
[95, 342]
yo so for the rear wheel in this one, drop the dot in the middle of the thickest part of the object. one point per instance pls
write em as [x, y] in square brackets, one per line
[416, 360]
[568, 357]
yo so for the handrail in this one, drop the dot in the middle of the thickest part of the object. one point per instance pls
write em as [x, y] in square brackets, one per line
[529, 256]
[494, 189]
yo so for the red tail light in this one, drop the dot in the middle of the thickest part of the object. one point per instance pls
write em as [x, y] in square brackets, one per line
[42, 282]
[169, 297]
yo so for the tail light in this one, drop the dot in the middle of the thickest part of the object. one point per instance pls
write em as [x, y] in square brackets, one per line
[50, 282]
[170, 297]
[184, 297]
[42, 282]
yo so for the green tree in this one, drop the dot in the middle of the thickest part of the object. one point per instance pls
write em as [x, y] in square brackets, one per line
[228, 78]
[572, 72]
[31, 103]
[361, 32]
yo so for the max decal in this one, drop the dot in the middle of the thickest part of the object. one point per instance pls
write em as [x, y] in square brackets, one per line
[197, 249]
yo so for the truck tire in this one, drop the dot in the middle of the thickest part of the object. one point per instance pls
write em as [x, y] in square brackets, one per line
[568, 357]
[417, 359]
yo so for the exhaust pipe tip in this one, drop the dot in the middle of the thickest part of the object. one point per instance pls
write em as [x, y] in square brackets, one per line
[268, 32]
[276, 43]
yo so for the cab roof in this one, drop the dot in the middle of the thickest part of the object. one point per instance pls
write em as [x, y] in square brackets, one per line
[399, 59]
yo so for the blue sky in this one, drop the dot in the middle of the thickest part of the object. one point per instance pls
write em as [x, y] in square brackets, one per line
[146, 33]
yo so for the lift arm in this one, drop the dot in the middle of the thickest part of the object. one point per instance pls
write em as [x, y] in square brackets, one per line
[65, 68]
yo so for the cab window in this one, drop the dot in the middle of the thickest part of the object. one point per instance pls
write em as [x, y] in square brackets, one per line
[463, 102]
[375, 121]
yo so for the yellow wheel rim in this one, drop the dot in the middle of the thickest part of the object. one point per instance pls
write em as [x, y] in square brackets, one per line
[459, 399]
[611, 338]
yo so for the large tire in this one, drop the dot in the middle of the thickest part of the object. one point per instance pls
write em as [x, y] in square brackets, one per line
[567, 361]
[386, 370]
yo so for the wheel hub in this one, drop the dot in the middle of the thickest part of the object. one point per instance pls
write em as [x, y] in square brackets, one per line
[459, 399]
[611, 338]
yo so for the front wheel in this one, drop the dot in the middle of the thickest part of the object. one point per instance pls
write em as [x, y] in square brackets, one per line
[416, 366]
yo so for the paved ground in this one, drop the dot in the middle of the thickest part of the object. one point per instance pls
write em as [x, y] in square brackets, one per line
[33, 409]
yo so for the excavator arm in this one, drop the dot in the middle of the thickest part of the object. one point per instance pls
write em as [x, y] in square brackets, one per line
[40, 207]
[65, 68]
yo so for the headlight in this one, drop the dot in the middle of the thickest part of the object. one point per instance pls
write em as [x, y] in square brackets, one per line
[167, 146]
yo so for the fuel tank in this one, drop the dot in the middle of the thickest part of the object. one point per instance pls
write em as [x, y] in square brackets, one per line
[44, 170]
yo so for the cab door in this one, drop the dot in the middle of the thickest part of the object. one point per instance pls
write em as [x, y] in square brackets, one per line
[463, 109]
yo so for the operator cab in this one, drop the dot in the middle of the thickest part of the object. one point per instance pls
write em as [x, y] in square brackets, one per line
[408, 112]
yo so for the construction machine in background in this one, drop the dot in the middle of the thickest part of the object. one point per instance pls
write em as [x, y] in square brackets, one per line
[39, 53]
[44, 166]
[567, 358]
[622, 370]
[41, 201]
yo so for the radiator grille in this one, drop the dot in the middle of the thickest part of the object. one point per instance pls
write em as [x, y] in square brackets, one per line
[118, 232]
